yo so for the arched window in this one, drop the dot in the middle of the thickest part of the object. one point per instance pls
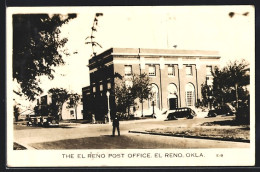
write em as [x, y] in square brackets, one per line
[172, 89]
[190, 94]
[155, 97]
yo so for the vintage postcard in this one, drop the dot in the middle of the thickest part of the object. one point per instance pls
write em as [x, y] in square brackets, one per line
[130, 86]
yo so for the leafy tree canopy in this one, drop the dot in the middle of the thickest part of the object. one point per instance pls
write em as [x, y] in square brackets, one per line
[36, 45]
[59, 96]
[74, 101]
[128, 89]
[228, 82]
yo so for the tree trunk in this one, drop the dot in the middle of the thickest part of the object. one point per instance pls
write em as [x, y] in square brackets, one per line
[128, 111]
[16, 118]
[76, 112]
[236, 85]
[142, 108]
[60, 112]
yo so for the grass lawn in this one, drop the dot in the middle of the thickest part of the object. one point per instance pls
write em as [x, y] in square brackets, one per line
[222, 130]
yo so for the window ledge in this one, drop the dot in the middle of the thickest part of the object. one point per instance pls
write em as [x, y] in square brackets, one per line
[171, 76]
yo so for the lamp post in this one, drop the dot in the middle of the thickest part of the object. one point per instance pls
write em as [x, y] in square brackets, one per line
[153, 108]
[129, 102]
[108, 107]
[210, 97]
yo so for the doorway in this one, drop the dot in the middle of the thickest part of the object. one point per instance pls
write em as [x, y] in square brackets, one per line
[172, 96]
[173, 102]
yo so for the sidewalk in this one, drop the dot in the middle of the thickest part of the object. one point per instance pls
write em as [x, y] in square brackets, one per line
[86, 136]
[102, 124]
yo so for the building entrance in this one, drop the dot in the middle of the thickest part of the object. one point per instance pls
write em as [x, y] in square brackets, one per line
[172, 96]
[173, 102]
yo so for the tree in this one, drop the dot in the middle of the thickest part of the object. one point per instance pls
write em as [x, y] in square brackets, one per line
[59, 97]
[36, 49]
[16, 112]
[123, 96]
[141, 84]
[228, 83]
[128, 89]
[204, 94]
[74, 100]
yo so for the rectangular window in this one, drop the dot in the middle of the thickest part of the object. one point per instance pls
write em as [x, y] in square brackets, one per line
[189, 70]
[128, 70]
[72, 112]
[108, 85]
[94, 89]
[171, 71]
[152, 71]
[189, 97]
[209, 70]
[44, 100]
[101, 87]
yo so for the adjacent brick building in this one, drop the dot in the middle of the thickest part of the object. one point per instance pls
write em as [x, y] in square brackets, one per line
[176, 77]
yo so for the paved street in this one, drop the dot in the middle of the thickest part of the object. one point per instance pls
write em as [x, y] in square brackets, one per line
[98, 136]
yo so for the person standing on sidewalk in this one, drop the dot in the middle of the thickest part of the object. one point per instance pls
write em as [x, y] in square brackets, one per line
[116, 126]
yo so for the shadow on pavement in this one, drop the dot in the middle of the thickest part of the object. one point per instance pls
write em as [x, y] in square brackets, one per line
[65, 126]
[107, 135]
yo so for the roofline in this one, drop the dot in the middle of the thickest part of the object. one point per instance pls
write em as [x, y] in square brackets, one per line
[169, 55]
[160, 52]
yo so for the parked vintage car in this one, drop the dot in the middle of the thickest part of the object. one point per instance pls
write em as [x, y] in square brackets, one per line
[32, 120]
[181, 113]
[50, 121]
[44, 121]
[226, 109]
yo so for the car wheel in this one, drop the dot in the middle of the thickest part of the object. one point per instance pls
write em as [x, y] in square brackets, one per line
[174, 118]
[212, 115]
[190, 117]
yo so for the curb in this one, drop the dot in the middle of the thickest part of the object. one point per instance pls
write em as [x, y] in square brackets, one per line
[194, 137]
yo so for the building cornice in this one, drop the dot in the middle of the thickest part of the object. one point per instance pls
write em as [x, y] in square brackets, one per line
[184, 62]
[167, 55]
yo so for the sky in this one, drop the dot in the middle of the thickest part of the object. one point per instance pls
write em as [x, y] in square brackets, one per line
[188, 27]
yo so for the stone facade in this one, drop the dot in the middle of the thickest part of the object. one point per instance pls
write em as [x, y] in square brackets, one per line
[176, 77]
